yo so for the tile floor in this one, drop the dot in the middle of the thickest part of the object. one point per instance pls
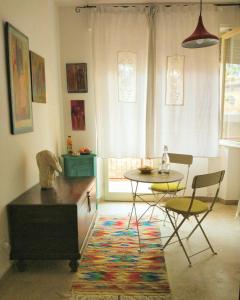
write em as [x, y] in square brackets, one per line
[210, 277]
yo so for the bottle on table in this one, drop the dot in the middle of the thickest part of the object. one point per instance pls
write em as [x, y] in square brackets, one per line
[165, 164]
[69, 145]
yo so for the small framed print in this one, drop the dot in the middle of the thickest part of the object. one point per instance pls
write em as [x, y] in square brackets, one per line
[175, 80]
[77, 78]
[38, 78]
[78, 115]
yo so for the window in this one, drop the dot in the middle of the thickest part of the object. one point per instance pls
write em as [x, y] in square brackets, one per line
[230, 92]
[116, 186]
[127, 76]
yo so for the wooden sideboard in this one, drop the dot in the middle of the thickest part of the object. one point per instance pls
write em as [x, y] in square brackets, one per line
[53, 223]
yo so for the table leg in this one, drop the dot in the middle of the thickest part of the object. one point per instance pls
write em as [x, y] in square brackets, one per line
[73, 264]
[132, 207]
[134, 195]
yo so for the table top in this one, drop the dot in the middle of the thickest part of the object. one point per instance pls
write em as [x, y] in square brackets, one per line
[154, 176]
[66, 191]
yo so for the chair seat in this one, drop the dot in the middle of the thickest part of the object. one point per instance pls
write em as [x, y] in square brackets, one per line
[167, 187]
[181, 205]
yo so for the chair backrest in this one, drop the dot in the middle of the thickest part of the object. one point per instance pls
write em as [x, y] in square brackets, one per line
[183, 159]
[206, 180]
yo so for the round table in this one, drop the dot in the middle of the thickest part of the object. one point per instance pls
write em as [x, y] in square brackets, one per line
[153, 177]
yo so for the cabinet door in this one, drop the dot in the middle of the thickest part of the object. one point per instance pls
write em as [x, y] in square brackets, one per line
[83, 221]
[86, 214]
[92, 199]
[43, 231]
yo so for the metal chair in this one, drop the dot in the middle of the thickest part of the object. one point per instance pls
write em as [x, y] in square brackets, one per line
[161, 190]
[192, 207]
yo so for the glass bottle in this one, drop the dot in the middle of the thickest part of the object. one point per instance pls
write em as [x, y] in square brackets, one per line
[69, 145]
[165, 165]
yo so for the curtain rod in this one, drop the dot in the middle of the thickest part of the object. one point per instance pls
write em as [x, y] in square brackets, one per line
[167, 4]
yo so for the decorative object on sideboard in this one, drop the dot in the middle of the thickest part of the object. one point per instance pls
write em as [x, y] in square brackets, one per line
[69, 145]
[38, 78]
[200, 38]
[77, 78]
[19, 82]
[79, 165]
[47, 163]
[84, 150]
[78, 115]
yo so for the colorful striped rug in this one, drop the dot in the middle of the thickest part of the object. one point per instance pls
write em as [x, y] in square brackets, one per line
[112, 267]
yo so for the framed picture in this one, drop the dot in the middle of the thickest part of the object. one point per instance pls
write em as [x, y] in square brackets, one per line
[77, 78]
[19, 82]
[78, 114]
[175, 72]
[38, 78]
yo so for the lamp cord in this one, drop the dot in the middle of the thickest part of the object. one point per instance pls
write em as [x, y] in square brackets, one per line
[200, 7]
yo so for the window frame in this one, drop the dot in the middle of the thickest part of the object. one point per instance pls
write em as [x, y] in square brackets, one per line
[224, 37]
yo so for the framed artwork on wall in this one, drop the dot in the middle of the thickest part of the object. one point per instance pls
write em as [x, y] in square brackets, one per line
[78, 115]
[19, 82]
[175, 80]
[38, 78]
[77, 78]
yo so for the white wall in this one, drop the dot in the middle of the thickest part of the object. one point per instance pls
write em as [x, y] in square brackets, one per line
[75, 39]
[37, 20]
[228, 160]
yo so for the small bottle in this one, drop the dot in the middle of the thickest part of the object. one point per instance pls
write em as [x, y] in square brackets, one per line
[165, 166]
[69, 145]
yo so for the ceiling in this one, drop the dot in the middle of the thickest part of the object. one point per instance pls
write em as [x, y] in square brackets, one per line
[92, 2]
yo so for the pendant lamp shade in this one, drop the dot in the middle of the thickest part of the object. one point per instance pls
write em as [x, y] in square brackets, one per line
[200, 37]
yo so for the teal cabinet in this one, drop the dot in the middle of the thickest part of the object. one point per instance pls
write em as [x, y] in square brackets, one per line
[79, 166]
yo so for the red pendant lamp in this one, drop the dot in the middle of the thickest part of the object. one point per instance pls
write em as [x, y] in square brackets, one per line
[200, 37]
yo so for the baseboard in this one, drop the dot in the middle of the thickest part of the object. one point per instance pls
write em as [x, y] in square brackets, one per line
[202, 198]
[228, 202]
[220, 200]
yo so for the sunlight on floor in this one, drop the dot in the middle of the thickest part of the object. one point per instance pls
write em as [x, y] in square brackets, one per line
[124, 186]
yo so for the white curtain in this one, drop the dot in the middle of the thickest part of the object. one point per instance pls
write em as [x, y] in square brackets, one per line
[141, 128]
[120, 124]
[192, 127]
